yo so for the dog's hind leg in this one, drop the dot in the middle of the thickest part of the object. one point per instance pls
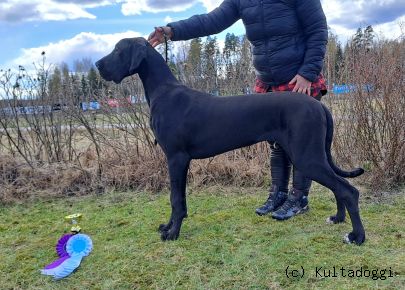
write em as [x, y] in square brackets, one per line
[178, 167]
[346, 195]
[352, 204]
[341, 211]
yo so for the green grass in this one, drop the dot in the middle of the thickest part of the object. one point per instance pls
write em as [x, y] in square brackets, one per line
[223, 244]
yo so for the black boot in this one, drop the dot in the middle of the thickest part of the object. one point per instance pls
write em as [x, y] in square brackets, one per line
[275, 200]
[297, 201]
[280, 174]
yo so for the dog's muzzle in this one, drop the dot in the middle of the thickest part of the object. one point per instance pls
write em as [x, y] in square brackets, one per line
[100, 67]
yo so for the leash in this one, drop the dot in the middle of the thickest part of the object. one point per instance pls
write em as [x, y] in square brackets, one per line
[166, 45]
[166, 37]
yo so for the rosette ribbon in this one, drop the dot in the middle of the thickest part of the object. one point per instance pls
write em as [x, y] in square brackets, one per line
[71, 249]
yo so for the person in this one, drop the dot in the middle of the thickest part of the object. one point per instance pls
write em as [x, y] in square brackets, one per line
[288, 40]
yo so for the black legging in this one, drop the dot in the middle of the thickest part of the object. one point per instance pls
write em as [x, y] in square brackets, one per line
[280, 172]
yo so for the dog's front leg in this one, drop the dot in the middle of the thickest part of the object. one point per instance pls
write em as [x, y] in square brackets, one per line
[178, 167]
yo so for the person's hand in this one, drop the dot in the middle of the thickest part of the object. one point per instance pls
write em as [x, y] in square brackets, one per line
[157, 36]
[302, 85]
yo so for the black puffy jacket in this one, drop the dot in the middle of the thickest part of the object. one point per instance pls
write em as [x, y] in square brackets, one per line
[287, 36]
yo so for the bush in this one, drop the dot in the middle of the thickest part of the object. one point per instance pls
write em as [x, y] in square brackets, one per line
[370, 119]
[68, 151]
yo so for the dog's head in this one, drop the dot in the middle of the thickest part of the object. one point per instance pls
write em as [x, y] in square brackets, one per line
[124, 60]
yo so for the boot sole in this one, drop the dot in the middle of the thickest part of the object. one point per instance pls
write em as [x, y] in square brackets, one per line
[283, 218]
[263, 214]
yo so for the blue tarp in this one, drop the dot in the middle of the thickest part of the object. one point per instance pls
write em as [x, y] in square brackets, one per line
[344, 89]
[90, 106]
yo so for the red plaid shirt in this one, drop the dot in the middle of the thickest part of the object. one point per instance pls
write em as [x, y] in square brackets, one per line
[317, 87]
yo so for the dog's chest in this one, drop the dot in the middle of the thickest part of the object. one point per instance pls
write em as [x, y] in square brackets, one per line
[161, 128]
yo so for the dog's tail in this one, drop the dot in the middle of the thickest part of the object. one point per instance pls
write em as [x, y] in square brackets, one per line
[329, 136]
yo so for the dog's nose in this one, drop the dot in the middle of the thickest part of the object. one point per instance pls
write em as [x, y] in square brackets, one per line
[98, 65]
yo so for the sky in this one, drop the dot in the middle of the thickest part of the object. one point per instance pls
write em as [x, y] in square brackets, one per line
[69, 30]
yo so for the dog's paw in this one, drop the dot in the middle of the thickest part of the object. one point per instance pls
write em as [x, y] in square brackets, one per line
[164, 228]
[353, 238]
[335, 220]
[169, 235]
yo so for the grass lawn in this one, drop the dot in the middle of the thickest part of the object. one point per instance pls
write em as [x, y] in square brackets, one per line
[223, 244]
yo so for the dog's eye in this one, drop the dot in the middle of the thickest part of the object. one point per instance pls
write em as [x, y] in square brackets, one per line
[118, 52]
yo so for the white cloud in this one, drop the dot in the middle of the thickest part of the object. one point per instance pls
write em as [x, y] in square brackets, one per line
[345, 16]
[168, 19]
[354, 13]
[136, 7]
[210, 4]
[391, 30]
[131, 7]
[83, 45]
[45, 10]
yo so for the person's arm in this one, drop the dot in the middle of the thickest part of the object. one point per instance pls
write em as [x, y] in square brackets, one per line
[159, 34]
[206, 24]
[313, 20]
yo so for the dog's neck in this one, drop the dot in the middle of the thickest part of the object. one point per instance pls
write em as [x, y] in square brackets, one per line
[154, 73]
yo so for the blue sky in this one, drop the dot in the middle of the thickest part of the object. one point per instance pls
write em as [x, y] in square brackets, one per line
[68, 30]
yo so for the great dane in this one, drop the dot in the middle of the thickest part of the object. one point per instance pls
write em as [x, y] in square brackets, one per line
[190, 124]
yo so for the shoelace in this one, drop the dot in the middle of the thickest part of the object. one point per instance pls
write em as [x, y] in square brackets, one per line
[287, 204]
[272, 197]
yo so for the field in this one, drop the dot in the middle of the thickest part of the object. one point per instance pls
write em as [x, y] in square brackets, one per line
[223, 244]
[106, 165]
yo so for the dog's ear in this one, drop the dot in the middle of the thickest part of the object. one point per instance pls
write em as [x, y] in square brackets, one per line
[138, 54]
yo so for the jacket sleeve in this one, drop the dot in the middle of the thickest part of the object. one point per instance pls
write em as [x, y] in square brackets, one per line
[313, 20]
[206, 24]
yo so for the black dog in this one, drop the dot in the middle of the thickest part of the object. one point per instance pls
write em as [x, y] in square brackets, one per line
[189, 124]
